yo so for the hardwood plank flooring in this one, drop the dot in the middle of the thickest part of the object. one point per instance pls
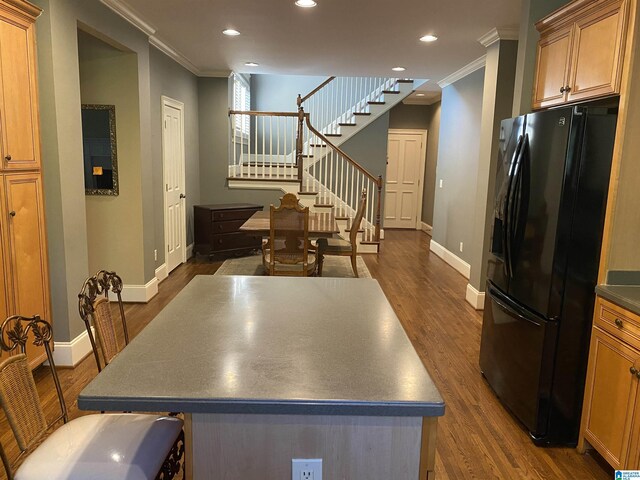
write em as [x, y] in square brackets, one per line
[477, 437]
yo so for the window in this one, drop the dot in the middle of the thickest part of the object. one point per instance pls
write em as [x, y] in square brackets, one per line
[241, 101]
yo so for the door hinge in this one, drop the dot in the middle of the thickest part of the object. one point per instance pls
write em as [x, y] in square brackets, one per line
[166, 187]
[165, 124]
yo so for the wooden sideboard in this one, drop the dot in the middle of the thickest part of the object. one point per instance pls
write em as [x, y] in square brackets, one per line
[24, 277]
[580, 52]
[217, 228]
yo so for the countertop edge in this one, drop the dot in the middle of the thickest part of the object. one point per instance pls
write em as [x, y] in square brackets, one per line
[614, 293]
[435, 409]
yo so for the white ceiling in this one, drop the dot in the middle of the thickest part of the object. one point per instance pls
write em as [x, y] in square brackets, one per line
[338, 37]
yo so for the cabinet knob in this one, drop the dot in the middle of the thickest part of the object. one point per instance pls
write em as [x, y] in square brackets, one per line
[633, 370]
[561, 89]
[8, 158]
[567, 89]
[12, 213]
[618, 323]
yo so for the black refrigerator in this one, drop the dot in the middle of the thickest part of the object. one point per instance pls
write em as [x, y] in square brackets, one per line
[551, 190]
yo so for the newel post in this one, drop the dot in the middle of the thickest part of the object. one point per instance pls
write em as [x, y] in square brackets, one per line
[299, 159]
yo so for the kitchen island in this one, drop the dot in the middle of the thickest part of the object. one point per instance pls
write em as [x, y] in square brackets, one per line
[271, 369]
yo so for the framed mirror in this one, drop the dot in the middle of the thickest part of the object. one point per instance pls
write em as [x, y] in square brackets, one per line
[100, 149]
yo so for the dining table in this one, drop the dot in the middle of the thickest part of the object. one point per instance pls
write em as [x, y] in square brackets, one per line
[321, 224]
[267, 370]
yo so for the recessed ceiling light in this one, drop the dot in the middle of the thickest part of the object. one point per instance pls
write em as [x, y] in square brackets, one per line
[306, 3]
[398, 69]
[419, 94]
[231, 32]
[252, 64]
[428, 38]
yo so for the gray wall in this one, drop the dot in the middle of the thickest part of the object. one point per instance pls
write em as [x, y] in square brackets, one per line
[424, 117]
[277, 93]
[459, 144]
[213, 102]
[109, 76]
[368, 147]
[532, 11]
[170, 79]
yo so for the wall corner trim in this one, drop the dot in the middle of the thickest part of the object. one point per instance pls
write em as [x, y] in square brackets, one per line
[69, 354]
[463, 72]
[138, 293]
[499, 33]
[456, 262]
[474, 297]
[162, 272]
[130, 15]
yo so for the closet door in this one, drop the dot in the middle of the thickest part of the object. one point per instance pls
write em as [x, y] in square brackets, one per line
[27, 250]
[18, 98]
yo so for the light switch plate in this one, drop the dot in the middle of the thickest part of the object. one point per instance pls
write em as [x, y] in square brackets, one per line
[306, 469]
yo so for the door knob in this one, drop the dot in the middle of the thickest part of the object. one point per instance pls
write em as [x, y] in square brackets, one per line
[182, 195]
[12, 213]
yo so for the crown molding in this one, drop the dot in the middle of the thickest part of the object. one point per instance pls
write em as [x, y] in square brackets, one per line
[463, 72]
[215, 73]
[499, 33]
[174, 54]
[130, 15]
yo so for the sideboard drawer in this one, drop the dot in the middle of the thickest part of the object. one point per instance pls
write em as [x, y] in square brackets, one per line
[235, 241]
[217, 228]
[619, 322]
[231, 226]
[224, 215]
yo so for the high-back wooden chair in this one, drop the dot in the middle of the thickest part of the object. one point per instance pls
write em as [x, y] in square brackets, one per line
[95, 309]
[100, 447]
[338, 246]
[288, 250]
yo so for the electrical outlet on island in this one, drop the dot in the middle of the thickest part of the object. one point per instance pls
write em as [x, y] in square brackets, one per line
[306, 469]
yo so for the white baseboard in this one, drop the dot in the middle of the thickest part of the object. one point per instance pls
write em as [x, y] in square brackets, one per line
[162, 272]
[456, 262]
[139, 293]
[189, 251]
[69, 354]
[426, 228]
[474, 297]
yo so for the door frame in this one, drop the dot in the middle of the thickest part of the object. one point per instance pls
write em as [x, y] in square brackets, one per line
[172, 103]
[423, 160]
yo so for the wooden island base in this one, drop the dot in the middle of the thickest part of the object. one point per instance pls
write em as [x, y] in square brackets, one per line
[255, 447]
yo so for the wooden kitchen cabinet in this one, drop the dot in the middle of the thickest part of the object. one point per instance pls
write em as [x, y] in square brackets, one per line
[24, 276]
[580, 52]
[611, 411]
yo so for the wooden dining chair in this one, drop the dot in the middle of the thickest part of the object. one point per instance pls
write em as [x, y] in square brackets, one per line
[288, 251]
[99, 447]
[94, 307]
[338, 246]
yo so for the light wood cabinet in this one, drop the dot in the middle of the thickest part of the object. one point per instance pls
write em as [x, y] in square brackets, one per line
[24, 277]
[611, 411]
[580, 52]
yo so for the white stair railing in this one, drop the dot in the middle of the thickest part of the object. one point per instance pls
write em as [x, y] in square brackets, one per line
[338, 100]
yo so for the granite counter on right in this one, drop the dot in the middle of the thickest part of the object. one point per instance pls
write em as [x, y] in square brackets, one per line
[622, 288]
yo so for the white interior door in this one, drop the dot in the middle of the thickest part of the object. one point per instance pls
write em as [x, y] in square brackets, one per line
[403, 189]
[173, 160]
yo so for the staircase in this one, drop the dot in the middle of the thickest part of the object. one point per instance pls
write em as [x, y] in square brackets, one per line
[299, 152]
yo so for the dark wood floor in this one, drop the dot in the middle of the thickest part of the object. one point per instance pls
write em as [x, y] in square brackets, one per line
[477, 438]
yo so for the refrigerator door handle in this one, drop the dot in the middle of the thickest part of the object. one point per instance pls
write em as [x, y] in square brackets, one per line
[510, 311]
[507, 209]
[515, 214]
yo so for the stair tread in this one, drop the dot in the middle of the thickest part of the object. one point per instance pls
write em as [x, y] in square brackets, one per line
[391, 91]
[362, 113]
[332, 134]
[324, 205]
[404, 80]
[376, 103]
[350, 124]
[307, 192]
[369, 242]
[267, 164]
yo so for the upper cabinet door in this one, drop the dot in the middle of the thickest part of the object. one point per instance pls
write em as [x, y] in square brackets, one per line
[18, 97]
[554, 52]
[596, 63]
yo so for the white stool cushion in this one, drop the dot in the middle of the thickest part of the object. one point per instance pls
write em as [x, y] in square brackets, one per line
[103, 447]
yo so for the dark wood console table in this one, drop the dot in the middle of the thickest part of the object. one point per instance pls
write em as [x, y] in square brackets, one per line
[217, 228]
